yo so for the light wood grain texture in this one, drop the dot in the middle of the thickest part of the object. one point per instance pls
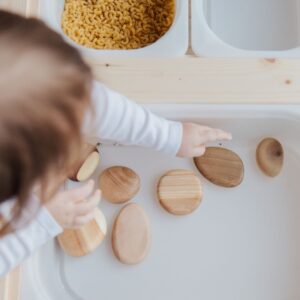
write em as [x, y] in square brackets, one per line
[23, 7]
[221, 166]
[270, 156]
[82, 241]
[119, 184]
[10, 285]
[179, 192]
[131, 237]
[32, 8]
[18, 6]
[198, 80]
[86, 164]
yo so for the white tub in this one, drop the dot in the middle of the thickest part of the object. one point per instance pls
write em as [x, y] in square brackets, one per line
[173, 43]
[241, 243]
[246, 28]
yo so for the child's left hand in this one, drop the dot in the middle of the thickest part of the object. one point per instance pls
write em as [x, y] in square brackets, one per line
[76, 207]
[195, 137]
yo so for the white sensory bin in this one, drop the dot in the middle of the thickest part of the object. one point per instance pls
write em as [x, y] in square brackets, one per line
[241, 243]
[246, 28]
[173, 43]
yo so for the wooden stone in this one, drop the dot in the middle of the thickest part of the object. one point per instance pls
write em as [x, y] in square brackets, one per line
[119, 184]
[86, 164]
[221, 166]
[131, 237]
[84, 240]
[270, 156]
[179, 192]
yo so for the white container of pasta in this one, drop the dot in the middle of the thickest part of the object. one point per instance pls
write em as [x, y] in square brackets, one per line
[173, 43]
[248, 28]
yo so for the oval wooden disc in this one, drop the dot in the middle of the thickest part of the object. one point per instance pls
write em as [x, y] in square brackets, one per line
[88, 167]
[221, 166]
[179, 192]
[84, 240]
[270, 156]
[131, 237]
[119, 184]
[86, 164]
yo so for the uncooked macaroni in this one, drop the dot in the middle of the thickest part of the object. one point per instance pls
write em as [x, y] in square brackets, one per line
[117, 24]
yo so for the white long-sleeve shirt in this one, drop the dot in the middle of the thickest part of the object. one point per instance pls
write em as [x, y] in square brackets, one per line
[112, 117]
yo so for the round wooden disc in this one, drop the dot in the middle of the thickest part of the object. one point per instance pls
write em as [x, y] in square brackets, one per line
[119, 184]
[131, 237]
[221, 166]
[270, 156]
[179, 192]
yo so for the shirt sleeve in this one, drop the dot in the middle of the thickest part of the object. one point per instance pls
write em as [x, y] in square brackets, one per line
[17, 246]
[114, 117]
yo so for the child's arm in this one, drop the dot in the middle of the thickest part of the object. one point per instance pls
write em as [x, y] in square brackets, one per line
[119, 119]
[65, 210]
[17, 246]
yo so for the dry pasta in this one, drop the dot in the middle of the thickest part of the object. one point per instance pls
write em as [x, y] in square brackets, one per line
[117, 24]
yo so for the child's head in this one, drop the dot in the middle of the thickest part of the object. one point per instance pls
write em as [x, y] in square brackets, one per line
[44, 90]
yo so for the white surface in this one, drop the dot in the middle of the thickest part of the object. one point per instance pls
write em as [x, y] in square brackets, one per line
[241, 243]
[173, 43]
[246, 28]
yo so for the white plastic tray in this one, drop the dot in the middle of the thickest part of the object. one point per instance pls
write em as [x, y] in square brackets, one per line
[242, 243]
[173, 43]
[246, 28]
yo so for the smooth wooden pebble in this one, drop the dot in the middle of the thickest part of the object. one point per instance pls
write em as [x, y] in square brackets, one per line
[179, 192]
[131, 237]
[270, 156]
[84, 240]
[119, 184]
[221, 166]
[86, 164]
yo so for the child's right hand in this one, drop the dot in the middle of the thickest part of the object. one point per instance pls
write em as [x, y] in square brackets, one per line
[196, 136]
[76, 207]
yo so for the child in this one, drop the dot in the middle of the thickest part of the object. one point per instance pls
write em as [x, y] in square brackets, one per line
[48, 102]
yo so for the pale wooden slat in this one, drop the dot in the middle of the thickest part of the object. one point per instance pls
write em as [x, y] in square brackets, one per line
[10, 286]
[18, 6]
[32, 8]
[191, 79]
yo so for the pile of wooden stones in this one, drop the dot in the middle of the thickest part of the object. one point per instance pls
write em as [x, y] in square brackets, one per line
[179, 192]
[131, 236]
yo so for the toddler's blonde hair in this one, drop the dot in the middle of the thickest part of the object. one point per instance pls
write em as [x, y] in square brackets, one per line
[44, 89]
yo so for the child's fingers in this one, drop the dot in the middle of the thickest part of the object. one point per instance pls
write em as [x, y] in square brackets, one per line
[89, 205]
[83, 192]
[223, 135]
[199, 151]
[217, 134]
[203, 127]
[82, 220]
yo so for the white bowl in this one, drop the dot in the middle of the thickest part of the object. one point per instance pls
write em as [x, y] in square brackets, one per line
[246, 28]
[173, 43]
[241, 243]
